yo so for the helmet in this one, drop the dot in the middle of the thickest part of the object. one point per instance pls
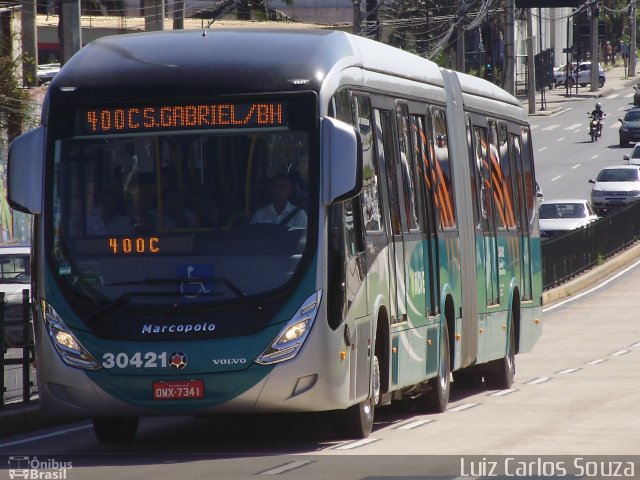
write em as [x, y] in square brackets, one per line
[598, 106]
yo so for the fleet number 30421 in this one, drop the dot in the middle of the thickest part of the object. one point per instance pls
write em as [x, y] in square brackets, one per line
[137, 360]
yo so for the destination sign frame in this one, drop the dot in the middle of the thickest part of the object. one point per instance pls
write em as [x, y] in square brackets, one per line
[192, 116]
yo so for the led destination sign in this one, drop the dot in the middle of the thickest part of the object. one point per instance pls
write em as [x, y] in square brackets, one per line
[192, 116]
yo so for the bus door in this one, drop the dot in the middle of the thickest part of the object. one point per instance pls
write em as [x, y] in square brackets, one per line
[525, 188]
[488, 152]
[390, 167]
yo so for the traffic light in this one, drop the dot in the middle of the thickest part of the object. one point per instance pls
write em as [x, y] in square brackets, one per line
[488, 70]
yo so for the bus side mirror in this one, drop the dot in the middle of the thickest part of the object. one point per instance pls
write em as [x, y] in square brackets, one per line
[25, 171]
[341, 154]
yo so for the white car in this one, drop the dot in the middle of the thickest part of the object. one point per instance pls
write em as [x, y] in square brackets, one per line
[615, 188]
[583, 75]
[15, 276]
[558, 217]
[634, 158]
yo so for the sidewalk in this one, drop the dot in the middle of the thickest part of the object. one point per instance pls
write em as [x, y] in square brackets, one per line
[557, 99]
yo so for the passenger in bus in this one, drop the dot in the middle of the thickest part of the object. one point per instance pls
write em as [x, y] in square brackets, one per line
[106, 220]
[280, 210]
[173, 213]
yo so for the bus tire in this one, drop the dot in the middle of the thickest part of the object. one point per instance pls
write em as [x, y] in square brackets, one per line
[436, 398]
[115, 429]
[357, 420]
[500, 376]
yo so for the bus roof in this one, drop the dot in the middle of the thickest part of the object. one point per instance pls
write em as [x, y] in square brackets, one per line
[243, 60]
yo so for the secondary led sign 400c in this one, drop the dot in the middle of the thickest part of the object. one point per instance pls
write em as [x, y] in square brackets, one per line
[192, 116]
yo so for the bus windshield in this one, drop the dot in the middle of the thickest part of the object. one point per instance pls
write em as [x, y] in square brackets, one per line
[196, 216]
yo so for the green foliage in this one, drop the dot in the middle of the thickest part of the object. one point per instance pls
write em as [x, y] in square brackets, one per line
[14, 100]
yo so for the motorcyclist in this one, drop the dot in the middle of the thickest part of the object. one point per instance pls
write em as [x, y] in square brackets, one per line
[598, 114]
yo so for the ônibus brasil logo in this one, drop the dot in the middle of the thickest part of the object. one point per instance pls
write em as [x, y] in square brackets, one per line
[178, 360]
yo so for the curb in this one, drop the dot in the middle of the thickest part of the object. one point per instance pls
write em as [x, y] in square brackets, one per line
[589, 278]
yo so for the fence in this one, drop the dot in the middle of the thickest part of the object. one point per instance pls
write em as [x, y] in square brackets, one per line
[16, 341]
[566, 256]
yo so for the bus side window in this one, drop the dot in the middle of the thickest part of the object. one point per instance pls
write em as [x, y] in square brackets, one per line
[370, 196]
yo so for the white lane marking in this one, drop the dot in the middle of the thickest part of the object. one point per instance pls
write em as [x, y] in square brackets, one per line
[596, 361]
[574, 126]
[412, 425]
[359, 443]
[533, 127]
[629, 95]
[556, 178]
[550, 127]
[286, 467]
[560, 139]
[594, 156]
[543, 149]
[614, 125]
[502, 393]
[568, 370]
[619, 352]
[576, 166]
[464, 406]
[46, 435]
[636, 344]
[538, 381]
[591, 290]
[614, 95]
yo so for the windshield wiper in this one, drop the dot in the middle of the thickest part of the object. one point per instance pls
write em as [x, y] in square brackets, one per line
[125, 298]
[173, 281]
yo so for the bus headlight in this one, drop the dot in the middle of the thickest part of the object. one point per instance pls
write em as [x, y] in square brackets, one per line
[291, 338]
[68, 346]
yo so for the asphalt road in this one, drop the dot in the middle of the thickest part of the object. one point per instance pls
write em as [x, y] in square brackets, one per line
[565, 156]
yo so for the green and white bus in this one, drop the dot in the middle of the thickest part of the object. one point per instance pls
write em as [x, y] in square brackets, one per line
[171, 278]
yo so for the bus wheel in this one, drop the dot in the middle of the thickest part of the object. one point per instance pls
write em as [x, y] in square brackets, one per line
[502, 371]
[436, 398]
[115, 429]
[357, 420]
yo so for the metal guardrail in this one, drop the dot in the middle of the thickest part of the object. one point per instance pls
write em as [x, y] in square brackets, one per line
[571, 254]
[22, 356]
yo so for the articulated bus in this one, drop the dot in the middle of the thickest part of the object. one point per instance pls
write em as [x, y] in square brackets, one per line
[252, 221]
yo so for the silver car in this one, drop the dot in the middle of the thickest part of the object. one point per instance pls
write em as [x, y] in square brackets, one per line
[583, 75]
[615, 188]
[558, 217]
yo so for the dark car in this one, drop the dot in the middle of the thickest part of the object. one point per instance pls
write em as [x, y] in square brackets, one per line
[636, 96]
[630, 129]
[15, 276]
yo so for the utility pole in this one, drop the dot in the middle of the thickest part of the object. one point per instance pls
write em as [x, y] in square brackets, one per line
[357, 17]
[509, 47]
[460, 38]
[531, 67]
[595, 57]
[632, 46]
[153, 15]
[29, 44]
[178, 15]
[69, 29]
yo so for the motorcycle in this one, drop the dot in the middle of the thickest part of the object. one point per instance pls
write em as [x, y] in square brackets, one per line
[595, 127]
